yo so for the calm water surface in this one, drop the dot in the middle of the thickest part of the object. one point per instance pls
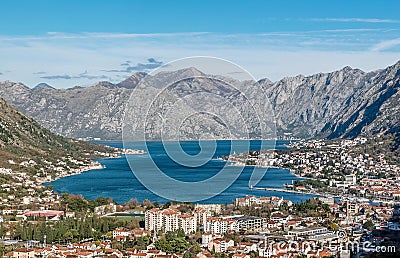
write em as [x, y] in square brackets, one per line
[118, 182]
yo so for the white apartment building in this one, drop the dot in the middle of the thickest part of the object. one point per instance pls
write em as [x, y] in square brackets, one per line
[201, 215]
[241, 223]
[187, 223]
[169, 220]
[121, 232]
[220, 225]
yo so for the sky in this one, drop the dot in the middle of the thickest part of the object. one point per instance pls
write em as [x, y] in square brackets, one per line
[69, 43]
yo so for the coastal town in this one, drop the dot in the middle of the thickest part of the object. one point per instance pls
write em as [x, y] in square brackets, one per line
[335, 168]
[353, 210]
[249, 227]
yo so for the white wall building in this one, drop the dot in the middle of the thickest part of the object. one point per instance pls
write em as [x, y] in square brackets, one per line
[169, 220]
[220, 225]
[201, 215]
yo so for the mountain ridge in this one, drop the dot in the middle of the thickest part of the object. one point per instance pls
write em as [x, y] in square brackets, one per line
[22, 139]
[327, 105]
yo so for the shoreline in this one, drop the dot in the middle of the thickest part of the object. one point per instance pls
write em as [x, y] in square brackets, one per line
[94, 165]
[282, 188]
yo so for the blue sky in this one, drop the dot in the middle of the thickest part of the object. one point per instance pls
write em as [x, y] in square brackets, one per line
[68, 43]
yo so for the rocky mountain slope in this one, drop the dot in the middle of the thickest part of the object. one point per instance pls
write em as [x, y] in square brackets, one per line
[24, 140]
[343, 103]
[77, 112]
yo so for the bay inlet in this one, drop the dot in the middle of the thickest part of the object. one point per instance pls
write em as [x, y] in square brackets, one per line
[118, 182]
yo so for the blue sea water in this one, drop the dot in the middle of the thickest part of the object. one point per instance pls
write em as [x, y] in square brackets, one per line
[119, 182]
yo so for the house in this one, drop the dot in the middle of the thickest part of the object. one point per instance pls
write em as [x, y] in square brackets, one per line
[113, 252]
[24, 253]
[121, 234]
[155, 253]
[279, 217]
[318, 253]
[291, 224]
[84, 254]
[8, 211]
[70, 214]
[50, 215]
[220, 245]
[272, 224]
[8, 255]
[240, 256]
[140, 232]
[247, 246]
[204, 254]
[121, 238]
[42, 252]
[208, 237]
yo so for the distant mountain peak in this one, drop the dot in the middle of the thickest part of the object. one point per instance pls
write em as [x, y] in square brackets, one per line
[105, 84]
[191, 71]
[43, 86]
[132, 81]
[264, 81]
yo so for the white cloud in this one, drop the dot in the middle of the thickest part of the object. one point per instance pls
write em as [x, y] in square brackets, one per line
[366, 20]
[386, 44]
[264, 55]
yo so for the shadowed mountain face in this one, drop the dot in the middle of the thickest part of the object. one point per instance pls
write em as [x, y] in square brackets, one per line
[344, 103]
[132, 81]
[22, 138]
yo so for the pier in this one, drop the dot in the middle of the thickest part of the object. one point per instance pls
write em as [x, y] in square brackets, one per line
[282, 190]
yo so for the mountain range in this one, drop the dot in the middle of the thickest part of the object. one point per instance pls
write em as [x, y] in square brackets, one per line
[344, 103]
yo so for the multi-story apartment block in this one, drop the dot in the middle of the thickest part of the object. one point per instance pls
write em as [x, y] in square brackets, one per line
[187, 223]
[201, 215]
[250, 223]
[241, 223]
[220, 225]
[169, 220]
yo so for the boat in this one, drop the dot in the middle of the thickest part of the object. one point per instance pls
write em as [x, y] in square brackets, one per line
[288, 186]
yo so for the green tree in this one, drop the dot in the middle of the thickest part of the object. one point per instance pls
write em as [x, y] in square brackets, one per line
[369, 225]
[69, 236]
